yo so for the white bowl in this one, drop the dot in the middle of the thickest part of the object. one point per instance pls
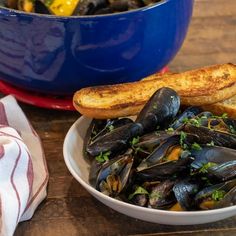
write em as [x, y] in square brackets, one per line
[79, 168]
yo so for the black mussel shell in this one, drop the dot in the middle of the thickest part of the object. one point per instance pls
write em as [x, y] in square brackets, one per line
[214, 154]
[184, 191]
[161, 108]
[89, 7]
[115, 141]
[185, 116]
[161, 195]
[114, 174]
[215, 194]
[211, 136]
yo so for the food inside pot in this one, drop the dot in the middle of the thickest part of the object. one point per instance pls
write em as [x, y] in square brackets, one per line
[166, 158]
[77, 7]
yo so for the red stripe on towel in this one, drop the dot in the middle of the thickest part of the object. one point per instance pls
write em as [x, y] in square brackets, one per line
[30, 176]
[2, 151]
[3, 115]
[45, 180]
[13, 184]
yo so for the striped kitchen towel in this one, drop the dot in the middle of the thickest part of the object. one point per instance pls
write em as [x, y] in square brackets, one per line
[23, 170]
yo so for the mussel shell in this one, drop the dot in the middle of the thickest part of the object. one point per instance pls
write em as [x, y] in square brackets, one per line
[208, 191]
[184, 191]
[207, 136]
[114, 141]
[160, 109]
[228, 200]
[152, 140]
[120, 166]
[161, 195]
[89, 7]
[224, 171]
[187, 114]
[157, 155]
[214, 154]
[164, 170]
[40, 7]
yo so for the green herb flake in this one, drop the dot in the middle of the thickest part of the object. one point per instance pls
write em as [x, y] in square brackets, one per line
[139, 190]
[196, 146]
[206, 166]
[154, 194]
[154, 106]
[185, 120]
[211, 144]
[48, 2]
[218, 195]
[182, 139]
[134, 141]
[232, 129]
[111, 127]
[103, 157]
[170, 130]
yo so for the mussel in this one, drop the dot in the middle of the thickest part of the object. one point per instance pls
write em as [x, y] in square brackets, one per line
[215, 196]
[114, 141]
[185, 116]
[161, 195]
[114, 174]
[165, 161]
[184, 191]
[161, 108]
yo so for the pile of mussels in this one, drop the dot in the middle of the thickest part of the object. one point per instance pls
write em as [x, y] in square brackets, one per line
[77, 7]
[165, 159]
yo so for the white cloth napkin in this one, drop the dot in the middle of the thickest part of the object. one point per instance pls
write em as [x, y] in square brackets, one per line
[23, 170]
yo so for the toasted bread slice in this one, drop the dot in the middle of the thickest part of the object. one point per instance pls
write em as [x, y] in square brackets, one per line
[228, 106]
[197, 87]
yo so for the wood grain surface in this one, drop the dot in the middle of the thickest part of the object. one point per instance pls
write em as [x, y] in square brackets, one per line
[69, 210]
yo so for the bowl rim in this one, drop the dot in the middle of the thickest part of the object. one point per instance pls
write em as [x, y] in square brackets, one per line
[95, 192]
[46, 16]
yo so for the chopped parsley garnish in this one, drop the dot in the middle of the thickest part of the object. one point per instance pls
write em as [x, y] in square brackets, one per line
[217, 195]
[154, 106]
[196, 146]
[111, 127]
[170, 130]
[223, 116]
[48, 2]
[134, 141]
[139, 190]
[205, 167]
[155, 195]
[211, 144]
[182, 139]
[185, 120]
[232, 129]
[102, 157]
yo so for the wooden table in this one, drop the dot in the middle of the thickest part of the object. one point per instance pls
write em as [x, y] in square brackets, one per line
[69, 209]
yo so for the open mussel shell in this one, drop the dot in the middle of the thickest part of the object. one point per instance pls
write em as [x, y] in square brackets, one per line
[213, 154]
[114, 174]
[152, 140]
[161, 108]
[212, 136]
[215, 162]
[161, 195]
[215, 196]
[115, 141]
[165, 161]
[185, 116]
[184, 191]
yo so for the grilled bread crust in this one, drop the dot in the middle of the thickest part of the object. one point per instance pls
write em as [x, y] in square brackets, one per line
[198, 87]
[227, 106]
